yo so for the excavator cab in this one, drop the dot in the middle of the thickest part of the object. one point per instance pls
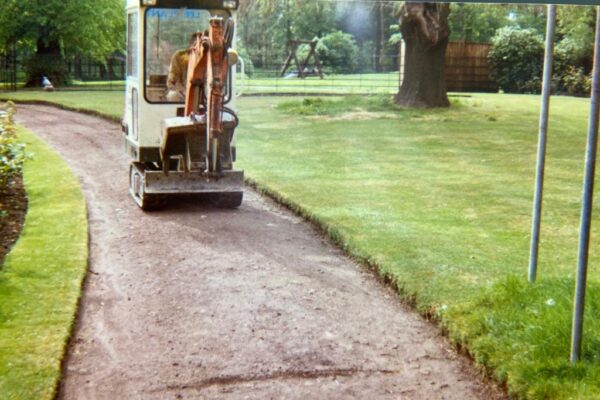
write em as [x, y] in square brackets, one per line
[180, 121]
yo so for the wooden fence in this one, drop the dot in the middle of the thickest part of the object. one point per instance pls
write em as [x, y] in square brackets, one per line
[468, 69]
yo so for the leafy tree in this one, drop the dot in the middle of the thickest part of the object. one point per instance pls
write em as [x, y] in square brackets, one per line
[55, 30]
[369, 22]
[516, 59]
[575, 27]
[338, 50]
[266, 26]
[528, 16]
[476, 22]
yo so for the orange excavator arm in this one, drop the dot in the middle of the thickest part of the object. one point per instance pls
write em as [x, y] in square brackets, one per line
[196, 74]
[207, 70]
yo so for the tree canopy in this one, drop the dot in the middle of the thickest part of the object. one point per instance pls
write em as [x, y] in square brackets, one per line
[62, 29]
[91, 27]
[266, 26]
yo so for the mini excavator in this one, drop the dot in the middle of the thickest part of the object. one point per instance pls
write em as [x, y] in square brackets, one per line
[181, 137]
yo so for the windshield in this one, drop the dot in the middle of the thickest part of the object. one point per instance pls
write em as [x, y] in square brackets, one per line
[168, 34]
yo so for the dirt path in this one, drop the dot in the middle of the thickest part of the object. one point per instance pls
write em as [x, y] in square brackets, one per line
[201, 303]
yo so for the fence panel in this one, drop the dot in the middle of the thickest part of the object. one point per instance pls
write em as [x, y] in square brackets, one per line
[82, 73]
[8, 71]
[468, 69]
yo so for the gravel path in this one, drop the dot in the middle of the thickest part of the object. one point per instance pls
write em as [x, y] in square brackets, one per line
[200, 303]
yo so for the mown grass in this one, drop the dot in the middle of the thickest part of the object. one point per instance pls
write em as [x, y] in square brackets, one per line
[440, 201]
[40, 282]
[318, 106]
[107, 103]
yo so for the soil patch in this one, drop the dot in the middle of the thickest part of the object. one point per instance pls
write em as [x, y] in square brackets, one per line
[13, 207]
[356, 115]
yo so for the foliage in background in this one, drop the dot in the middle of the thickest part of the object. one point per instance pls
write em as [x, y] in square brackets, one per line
[516, 60]
[339, 52]
[574, 51]
[476, 22]
[54, 30]
[12, 152]
[575, 30]
[244, 55]
[266, 26]
[528, 16]
[575, 82]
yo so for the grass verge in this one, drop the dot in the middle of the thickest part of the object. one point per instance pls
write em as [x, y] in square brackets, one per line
[41, 280]
[108, 105]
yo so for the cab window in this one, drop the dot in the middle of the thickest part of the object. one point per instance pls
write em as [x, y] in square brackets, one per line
[132, 44]
[168, 34]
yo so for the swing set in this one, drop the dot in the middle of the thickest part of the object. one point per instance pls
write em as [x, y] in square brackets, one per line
[303, 68]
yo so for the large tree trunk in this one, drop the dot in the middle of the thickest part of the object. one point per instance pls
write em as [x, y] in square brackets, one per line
[48, 61]
[425, 30]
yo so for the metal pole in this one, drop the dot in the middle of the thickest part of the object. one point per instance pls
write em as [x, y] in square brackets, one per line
[541, 154]
[586, 210]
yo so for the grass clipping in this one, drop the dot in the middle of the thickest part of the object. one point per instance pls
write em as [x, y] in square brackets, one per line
[41, 280]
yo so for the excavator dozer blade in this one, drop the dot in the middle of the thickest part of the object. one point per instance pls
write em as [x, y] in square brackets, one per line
[185, 139]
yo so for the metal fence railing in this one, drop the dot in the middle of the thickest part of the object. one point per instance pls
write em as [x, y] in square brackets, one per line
[268, 79]
[8, 71]
[466, 70]
[79, 73]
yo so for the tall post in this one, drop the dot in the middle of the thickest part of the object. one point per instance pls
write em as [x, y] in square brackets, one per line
[586, 209]
[541, 153]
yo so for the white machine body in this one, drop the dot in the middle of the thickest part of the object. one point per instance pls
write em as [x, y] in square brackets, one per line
[156, 29]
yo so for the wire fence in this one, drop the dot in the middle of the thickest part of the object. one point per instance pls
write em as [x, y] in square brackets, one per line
[270, 80]
[77, 74]
[467, 69]
[8, 71]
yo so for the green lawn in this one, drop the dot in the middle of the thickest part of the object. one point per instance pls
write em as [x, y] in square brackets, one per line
[111, 104]
[40, 282]
[440, 201]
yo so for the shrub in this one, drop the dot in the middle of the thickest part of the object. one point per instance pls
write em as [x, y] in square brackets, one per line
[248, 64]
[12, 153]
[569, 69]
[576, 82]
[338, 51]
[516, 59]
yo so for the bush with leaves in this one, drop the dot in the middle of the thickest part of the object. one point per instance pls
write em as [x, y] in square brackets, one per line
[245, 56]
[516, 59]
[12, 153]
[339, 52]
[570, 75]
[575, 82]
